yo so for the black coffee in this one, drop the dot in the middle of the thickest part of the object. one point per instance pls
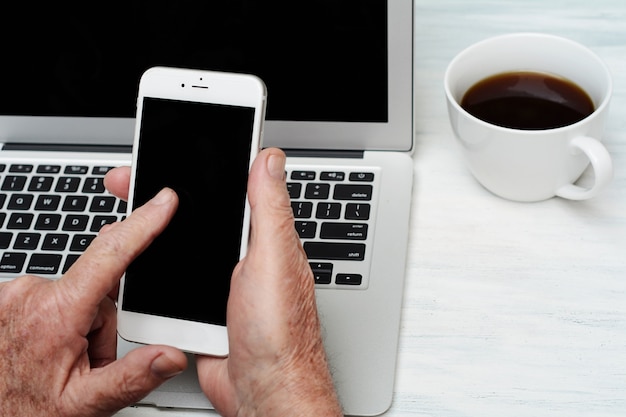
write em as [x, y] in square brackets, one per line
[527, 100]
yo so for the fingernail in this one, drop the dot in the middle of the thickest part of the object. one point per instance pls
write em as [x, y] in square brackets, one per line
[164, 196]
[163, 367]
[276, 166]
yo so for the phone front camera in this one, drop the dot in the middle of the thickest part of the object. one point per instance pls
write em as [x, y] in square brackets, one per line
[182, 85]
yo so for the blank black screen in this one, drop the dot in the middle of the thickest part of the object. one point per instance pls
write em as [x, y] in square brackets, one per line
[201, 151]
[321, 61]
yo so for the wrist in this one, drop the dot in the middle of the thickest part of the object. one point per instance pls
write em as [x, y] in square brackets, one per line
[304, 388]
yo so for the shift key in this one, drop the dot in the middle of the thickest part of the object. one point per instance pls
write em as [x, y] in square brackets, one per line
[335, 251]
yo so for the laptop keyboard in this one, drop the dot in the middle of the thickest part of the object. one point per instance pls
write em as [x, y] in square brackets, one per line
[333, 212]
[50, 213]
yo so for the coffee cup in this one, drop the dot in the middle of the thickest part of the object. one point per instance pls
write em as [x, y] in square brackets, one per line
[529, 110]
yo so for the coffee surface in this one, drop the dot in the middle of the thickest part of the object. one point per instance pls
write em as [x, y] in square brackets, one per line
[528, 101]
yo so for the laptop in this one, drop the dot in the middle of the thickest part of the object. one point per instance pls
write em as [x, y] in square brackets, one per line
[340, 103]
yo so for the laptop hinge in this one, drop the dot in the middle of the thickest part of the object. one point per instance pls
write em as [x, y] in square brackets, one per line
[317, 153]
[64, 147]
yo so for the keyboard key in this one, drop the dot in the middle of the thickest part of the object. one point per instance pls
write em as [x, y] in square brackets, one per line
[328, 211]
[76, 169]
[294, 188]
[348, 279]
[336, 251]
[94, 185]
[55, 241]
[67, 185]
[75, 203]
[76, 223]
[20, 202]
[360, 211]
[332, 176]
[13, 183]
[41, 184]
[48, 221]
[317, 191]
[302, 209]
[47, 202]
[100, 221]
[306, 230]
[353, 192]
[102, 204]
[122, 207]
[303, 175]
[322, 272]
[44, 264]
[20, 221]
[21, 168]
[80, 242]
[5, 239]
[100, 170]
[26, 241]
[362, 176]
[48, 169]
[344, 231]
[12, 262]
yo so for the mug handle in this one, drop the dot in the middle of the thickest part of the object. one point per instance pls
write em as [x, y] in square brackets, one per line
[602, 167]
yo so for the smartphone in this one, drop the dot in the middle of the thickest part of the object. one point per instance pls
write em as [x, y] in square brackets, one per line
[196, 132]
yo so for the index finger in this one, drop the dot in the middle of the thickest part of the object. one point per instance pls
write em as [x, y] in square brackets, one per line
[117, 181]
[101, 266]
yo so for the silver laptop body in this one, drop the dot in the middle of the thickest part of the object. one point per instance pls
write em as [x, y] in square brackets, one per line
[340, 103]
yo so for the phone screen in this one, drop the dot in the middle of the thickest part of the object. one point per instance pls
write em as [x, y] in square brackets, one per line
[202, 151]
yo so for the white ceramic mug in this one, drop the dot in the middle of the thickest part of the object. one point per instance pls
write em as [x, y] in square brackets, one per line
[532, 165]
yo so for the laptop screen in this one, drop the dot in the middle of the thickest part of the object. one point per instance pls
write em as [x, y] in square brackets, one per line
[321, 61]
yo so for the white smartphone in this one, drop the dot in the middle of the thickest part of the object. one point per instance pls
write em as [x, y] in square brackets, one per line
[197, 132]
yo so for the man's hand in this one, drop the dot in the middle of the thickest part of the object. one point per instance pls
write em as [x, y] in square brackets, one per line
[58, 338]
[277, 365]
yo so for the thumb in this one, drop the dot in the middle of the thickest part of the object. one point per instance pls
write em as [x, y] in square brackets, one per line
[272, 228]
[267, 194]
[132, 377]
